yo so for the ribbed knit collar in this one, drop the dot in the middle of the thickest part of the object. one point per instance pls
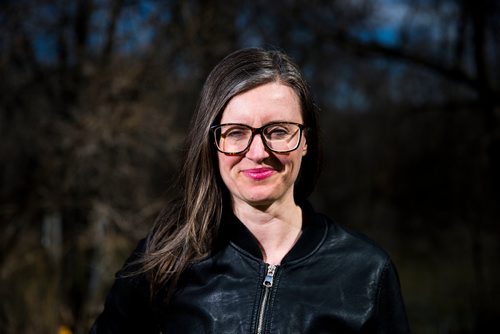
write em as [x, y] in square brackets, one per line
[314, 230]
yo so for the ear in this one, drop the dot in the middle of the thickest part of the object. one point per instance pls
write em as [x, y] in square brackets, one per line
[304, 149]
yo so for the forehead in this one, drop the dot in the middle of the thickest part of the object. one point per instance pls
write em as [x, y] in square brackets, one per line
[266, 103]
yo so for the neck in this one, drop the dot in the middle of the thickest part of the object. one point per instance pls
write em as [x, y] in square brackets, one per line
[276, 227]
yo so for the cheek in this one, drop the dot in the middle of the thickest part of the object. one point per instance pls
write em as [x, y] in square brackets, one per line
[292, 162]
[226, 163]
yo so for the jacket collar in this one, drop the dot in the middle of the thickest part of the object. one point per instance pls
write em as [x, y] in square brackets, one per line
[314, 230]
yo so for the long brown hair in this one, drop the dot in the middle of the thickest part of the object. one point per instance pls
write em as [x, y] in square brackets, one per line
[186, 231]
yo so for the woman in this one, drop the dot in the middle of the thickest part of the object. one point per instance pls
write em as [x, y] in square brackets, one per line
[242, 251]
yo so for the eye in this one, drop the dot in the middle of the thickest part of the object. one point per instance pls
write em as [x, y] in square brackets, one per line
[235, 132]
[277, 131]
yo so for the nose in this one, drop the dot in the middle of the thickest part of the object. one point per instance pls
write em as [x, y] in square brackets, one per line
[257, 150]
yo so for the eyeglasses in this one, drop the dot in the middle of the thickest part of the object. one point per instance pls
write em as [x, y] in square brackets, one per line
[279, 137]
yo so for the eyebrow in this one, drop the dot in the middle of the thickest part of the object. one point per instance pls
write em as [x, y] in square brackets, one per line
[268, 123]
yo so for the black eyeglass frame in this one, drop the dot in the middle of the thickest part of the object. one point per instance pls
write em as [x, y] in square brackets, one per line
[256, 131]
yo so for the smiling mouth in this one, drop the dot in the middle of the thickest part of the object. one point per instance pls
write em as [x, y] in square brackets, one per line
[259, 173]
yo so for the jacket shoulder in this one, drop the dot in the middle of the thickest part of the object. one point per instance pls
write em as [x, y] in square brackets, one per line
[354, 244]
[128, 307]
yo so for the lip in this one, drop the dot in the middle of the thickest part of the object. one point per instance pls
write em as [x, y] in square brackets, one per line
[258, 173]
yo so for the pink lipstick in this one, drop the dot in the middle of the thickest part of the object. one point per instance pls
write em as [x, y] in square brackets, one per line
[258, 174]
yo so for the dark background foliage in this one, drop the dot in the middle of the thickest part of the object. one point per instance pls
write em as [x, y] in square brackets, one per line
[95, 97]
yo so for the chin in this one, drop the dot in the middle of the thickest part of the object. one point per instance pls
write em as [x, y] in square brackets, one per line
[262, 195]
[261, 199]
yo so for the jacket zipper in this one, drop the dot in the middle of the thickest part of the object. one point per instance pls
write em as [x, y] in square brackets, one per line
[268, 283]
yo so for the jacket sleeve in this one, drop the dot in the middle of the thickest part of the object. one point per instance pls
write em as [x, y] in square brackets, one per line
[128, 304]
[390, 314]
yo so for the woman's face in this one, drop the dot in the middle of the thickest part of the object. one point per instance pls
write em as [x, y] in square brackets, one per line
[259, 176]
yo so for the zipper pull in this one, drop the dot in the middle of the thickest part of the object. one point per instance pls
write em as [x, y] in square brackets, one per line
[268, 280]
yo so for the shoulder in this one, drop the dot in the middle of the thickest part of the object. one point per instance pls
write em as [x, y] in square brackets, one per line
[128, 305]
[350, 245]
[131, 280]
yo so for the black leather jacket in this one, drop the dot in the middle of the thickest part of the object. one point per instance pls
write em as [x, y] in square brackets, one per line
[332, 281]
